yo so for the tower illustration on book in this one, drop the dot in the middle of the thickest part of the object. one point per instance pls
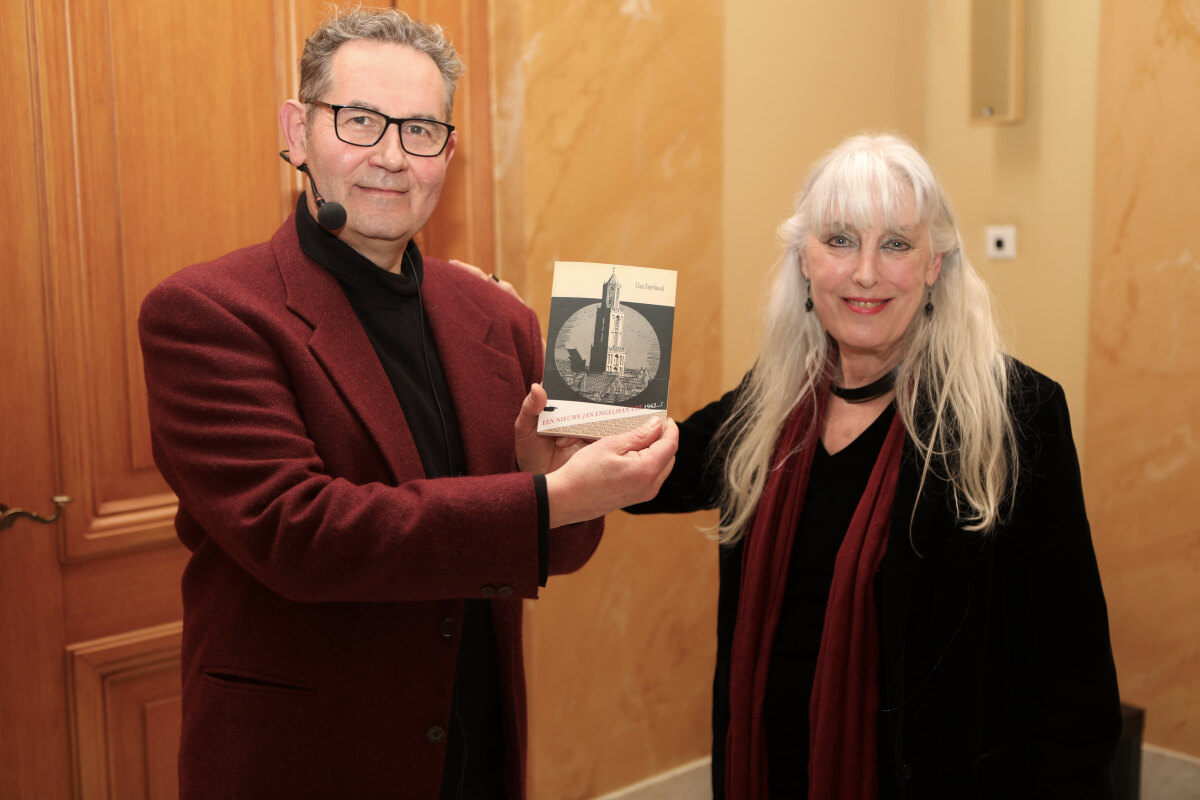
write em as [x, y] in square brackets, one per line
[607, 353]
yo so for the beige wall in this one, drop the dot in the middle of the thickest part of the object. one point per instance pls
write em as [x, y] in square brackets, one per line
[609, 149]
[1143, 458]
[800, 75]
[1036, 175]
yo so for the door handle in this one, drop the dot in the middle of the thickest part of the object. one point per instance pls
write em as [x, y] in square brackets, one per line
[9, 516]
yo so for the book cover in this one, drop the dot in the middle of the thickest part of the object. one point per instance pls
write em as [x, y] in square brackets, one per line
[608, 348]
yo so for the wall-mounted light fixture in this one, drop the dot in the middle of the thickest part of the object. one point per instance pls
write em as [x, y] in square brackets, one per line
[997, 61]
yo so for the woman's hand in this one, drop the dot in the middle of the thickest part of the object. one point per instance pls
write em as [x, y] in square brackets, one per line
[476, 271]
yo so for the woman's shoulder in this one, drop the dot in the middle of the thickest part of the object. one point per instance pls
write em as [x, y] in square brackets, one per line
[1027, 380]
[1032, 395]
[1042, 421]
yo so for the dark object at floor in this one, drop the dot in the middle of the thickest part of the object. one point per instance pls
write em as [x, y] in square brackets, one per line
[1127, 767]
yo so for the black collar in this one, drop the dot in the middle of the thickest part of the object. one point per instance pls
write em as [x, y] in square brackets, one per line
[358, 275]
[863, 394]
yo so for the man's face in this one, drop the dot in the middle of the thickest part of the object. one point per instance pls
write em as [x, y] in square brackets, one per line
[388, 194]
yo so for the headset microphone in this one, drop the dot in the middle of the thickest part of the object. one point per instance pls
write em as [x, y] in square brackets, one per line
[330, 215]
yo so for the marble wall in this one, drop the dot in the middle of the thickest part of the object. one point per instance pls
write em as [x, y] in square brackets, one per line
[1142, 469]
[608, 148]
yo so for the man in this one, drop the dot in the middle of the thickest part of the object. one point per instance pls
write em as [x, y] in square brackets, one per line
[335, 413]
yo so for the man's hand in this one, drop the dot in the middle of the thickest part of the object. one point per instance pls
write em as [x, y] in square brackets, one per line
[586, 480]
[612, 473]
[476, 271]
[540, 454]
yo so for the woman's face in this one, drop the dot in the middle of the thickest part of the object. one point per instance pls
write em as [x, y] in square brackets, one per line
[867, 285]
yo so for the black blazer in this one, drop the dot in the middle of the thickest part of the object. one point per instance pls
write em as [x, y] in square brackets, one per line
[997, 676]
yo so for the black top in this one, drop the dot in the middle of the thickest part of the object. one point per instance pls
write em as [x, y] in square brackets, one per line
[995, 668]
[389, 307]
[835, 487]
[836, 484]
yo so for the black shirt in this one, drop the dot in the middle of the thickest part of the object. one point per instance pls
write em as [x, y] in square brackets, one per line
[389, 307]
[835, 487]
[836, 484]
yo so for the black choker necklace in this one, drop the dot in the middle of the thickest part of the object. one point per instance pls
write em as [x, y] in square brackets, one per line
[869, 392]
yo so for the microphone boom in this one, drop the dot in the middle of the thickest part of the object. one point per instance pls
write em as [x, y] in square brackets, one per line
[331, 215]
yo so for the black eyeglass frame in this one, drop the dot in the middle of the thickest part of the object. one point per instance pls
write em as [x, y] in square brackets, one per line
[387, 122]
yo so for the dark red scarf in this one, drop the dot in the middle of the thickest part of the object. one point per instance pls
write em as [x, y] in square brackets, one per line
[843, 758]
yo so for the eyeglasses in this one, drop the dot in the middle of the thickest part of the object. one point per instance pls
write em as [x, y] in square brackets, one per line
[364, 128]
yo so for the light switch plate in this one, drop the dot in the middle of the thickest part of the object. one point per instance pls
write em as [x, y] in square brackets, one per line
[1001, 242]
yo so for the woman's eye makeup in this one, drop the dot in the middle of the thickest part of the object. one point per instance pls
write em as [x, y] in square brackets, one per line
[840, 239]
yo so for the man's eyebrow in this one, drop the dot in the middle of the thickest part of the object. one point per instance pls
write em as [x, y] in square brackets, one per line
[372, 107]
[364, 104]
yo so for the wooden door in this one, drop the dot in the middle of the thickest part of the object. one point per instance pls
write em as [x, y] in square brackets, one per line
[141, 137]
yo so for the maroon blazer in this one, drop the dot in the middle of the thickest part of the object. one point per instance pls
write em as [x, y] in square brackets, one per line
[327, 579]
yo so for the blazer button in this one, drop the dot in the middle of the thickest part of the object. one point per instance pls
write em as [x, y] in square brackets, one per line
[505, 591]
[435, 735]
[447, 628]
[488, 591]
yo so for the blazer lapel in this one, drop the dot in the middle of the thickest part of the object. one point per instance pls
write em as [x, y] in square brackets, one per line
[341, 346]
[480, 377]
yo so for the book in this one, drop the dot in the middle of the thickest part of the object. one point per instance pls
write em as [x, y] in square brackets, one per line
[608, 348]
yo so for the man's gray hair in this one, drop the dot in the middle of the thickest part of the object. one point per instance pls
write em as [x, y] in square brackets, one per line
[378, 25]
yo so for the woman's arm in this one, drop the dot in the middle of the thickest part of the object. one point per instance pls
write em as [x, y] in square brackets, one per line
[695, 481]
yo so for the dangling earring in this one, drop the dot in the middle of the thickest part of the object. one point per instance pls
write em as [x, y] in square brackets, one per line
[929, 303]
[808, 304]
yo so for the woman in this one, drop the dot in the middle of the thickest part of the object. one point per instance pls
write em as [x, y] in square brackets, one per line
[909, 600]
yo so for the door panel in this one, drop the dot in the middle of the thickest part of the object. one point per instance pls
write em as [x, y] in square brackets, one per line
[127, 711]
[175, 164]
[142, 138]
[33, 708]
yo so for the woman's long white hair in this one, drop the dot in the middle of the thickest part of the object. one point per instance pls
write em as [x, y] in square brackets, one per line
[952, 388]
